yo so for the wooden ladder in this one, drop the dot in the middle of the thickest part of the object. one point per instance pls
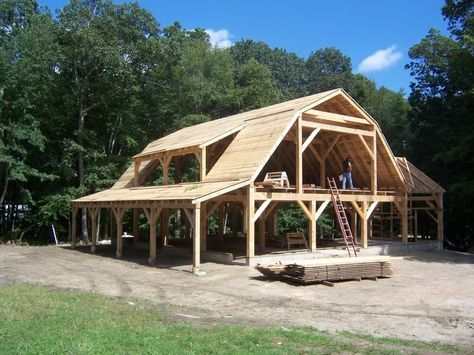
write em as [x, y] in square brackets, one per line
[341, 217]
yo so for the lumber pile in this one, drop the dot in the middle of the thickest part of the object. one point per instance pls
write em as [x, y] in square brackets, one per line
[330, 270]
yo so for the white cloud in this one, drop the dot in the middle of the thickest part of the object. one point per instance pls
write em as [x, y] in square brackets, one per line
[219, 38]
[381, 59]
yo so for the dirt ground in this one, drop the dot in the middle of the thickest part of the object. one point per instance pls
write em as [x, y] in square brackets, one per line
[430, 297]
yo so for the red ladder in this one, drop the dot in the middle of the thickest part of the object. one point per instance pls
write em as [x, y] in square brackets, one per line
[341, 217]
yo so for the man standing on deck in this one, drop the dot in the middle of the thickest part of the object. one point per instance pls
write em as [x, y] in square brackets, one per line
[347, 173]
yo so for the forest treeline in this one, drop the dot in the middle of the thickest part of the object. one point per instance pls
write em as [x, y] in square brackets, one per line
[84, 89]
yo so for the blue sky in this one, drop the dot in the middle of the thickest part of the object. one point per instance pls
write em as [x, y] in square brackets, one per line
[378, 31]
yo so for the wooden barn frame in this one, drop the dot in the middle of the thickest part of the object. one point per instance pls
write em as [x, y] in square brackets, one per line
[303, 140]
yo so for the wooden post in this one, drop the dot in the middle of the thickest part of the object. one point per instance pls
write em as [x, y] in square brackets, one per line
[136, 173]
[415, 224]
[404, 218]
[374, 165]
[136, 216]
[119, 213]
[165, 163]
[165, 216]
[312, 227]
[221, 231]
[203, 231]
[93, 212]
[152, 215]
[261, 234]
[354, 224]
[203, 165]
[74, 227]
[250, 223]
[299, 156]
[322, 173]
[439, 213]
[363, 225]
[113, 228]
[196, 239]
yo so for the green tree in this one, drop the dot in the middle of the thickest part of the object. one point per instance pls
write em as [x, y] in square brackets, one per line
[287, 69]
[443, 103]
[327, 69]
[27, 47]
[105, 51]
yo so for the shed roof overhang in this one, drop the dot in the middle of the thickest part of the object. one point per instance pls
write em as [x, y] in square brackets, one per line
[180, 195]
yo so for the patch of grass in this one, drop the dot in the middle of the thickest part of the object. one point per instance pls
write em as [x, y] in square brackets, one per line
[433, 346]
[41, 320]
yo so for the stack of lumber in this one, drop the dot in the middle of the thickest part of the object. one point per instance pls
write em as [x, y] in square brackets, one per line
[328, 270]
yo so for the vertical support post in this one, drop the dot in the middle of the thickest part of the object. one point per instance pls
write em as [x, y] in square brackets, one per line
[250, 224]
[203, 165]
[221, 230]
[93, 212]
[165, 163]
[152, 258]
[415, 229]
[261, 234]
[136, 173]
[136, 216]
[404, 217]
[374, 164]
[364, 225]
[299, 156]
[152, 215]
[74, 227]
[312, 227]
[165, 216]
[119, 213]
[391, 220]
[354, 225]
[322, 173]
[203, 231]
[196, 239]
[439, 213]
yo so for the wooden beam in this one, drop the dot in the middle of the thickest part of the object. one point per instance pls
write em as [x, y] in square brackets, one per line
[197, 239]
[203, 164]
[312, 226]
[439, 213]
[305, 209]
[261, 209]
[372, 208]
[212, 208]
[189, 215]
[357, 208]
[93, 213]
[316, 154]
[334, 117]
[250, 224]
[222, 136]
[364, 226]
[366, 146]
[299, 156]
[152, 215]
[321, 209]
[374, 165]
[338, 129]
[310, 138]
[330, 146]
[119, 213]
[136, 173]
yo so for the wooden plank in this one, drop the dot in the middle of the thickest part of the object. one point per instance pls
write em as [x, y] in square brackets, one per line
[261, 209]
[299, 156]
[334, 117]
[310, 138]
[197, 239]
[305, 209]
[321, 209]
[339, 129]
[250, 221]
[372, 208]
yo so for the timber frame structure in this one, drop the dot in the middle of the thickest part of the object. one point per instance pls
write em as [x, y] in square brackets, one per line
[307, 138]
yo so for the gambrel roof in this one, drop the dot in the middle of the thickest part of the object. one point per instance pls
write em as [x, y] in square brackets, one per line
[345, 129]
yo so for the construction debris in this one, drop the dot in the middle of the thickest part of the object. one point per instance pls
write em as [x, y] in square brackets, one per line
[326, 271]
